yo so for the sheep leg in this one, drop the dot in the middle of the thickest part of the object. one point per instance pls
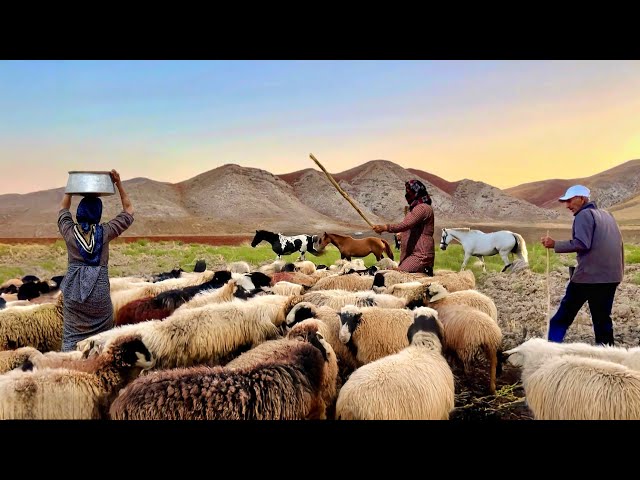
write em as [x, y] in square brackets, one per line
[492, 356]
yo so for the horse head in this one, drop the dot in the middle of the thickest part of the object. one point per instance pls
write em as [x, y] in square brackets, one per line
[445, 238]
[325, 240]
[259, 236]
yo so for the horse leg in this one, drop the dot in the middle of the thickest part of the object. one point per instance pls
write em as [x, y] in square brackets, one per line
[302, 256]
[378, 255]
[484, 267]
[505, 259]
[467, 256]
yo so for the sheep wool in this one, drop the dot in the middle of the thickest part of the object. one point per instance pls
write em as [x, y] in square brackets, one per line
[579, 388]
[289, 388]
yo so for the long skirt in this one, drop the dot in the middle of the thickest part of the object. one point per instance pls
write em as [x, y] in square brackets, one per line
[85, 319]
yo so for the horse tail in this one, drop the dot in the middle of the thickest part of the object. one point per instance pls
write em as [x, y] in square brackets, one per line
[387, 249]
[520, 248]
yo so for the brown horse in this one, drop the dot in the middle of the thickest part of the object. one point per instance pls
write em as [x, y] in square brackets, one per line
[357, 247]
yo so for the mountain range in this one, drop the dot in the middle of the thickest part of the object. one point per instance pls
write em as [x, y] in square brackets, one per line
[236, 200]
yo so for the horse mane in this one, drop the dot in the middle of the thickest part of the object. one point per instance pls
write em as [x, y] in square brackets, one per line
[461, 229]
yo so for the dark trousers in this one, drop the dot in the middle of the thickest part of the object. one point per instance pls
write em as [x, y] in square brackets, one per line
[600, 298]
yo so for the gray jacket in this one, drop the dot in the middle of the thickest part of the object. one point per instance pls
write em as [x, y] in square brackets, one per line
[597, 241]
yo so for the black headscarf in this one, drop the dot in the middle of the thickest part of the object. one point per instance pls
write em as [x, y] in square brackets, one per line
[416, 193]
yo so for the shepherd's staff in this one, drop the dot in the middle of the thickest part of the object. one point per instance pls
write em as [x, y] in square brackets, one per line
[342, 192]
[548, 289]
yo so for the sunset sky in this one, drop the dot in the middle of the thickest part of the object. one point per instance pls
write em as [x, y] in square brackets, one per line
[499, 122]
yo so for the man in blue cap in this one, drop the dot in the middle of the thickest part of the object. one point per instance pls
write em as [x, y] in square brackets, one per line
[597, 241]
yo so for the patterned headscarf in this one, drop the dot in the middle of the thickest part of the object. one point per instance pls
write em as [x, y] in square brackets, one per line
[88, 231]
[416, 193]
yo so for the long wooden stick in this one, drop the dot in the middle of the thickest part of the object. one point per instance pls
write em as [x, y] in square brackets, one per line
[342, 192]
[548, 289]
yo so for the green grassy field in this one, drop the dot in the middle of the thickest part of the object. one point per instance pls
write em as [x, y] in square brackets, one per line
[145, 257]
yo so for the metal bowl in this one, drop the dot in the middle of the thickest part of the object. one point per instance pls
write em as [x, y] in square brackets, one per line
[96, 184]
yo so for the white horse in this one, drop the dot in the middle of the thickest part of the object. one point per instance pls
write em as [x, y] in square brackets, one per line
[479, 244]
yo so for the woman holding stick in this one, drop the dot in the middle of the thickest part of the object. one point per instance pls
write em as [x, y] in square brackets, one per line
[417, 250]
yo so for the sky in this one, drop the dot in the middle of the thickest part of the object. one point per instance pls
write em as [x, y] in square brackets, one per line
[501, 122]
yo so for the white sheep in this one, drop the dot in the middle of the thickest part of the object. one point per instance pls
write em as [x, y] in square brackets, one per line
[534, 352]
[453, 282]
[307, 267]
[239, 267]
[439, 297]
[339, 298]
[125, 283]
[413, 384]
[343, 265]
[211, 296]
[82, 393]
[318, 274]
[352, 282]
[286, 288]
[10, 359]
[386, 264]
[38, 326]
[272, 268]
[467, 332]
[571, 387]
[204, 335]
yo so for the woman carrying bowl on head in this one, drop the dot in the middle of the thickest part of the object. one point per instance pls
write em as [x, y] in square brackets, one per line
[85, 288]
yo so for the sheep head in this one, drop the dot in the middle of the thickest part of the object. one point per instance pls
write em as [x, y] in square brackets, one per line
[350, 318]
[130, 351]
[532, 348]
[426, 327]
[300, 312]
[436, 291]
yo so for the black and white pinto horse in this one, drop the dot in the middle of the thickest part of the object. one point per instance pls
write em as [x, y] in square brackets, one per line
[479, 244]
[284, 245]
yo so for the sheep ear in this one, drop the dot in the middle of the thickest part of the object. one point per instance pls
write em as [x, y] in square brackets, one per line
[314, 339]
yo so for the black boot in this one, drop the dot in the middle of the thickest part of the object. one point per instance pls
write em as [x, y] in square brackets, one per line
[428, 271]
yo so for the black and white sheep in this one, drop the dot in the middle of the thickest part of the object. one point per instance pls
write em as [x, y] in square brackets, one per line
[413, 384]
[287, 388]
[330, 330]
[82, 393]
[374, 332]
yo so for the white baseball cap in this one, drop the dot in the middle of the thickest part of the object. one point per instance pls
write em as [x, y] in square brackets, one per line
[575, 191]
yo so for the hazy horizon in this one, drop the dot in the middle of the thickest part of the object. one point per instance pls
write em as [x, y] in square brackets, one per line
[500, 122]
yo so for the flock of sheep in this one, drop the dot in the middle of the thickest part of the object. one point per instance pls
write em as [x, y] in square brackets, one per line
[290, 341]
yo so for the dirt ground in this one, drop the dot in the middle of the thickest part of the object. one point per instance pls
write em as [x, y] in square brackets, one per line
[521, 298]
